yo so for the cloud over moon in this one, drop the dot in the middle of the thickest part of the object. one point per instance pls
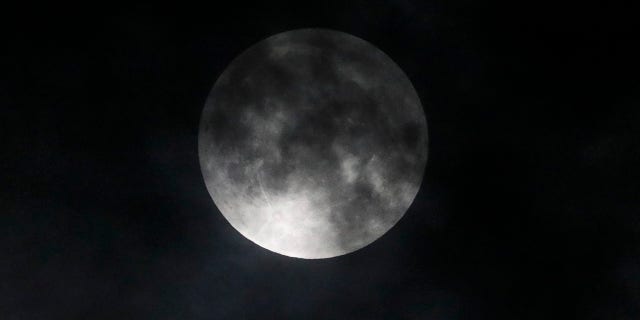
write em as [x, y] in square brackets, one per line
[313, 143]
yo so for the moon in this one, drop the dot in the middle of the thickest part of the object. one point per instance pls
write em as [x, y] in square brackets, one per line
[313, 143]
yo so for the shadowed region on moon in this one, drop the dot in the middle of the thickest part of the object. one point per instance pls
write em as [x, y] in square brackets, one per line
[313, 143]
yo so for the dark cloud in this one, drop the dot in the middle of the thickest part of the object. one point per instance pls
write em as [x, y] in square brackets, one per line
[528, 209]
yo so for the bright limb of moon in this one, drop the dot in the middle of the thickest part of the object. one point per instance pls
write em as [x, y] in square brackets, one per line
[313, 143]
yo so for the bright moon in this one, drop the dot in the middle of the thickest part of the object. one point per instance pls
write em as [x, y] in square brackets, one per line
[313, 143]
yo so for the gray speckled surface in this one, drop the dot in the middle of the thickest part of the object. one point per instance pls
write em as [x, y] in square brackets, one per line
[313, 143]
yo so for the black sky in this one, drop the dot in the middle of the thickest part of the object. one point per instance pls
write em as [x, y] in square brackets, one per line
[528, 209]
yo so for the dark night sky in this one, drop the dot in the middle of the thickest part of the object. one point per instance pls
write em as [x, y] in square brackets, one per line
[528, 209]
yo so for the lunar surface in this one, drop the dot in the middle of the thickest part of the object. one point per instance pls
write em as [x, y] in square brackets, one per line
[313, 143]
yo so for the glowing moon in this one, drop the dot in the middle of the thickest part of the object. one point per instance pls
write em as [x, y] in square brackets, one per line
[313, 143]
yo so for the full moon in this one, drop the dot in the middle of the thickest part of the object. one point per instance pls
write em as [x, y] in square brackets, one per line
[313, 143]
